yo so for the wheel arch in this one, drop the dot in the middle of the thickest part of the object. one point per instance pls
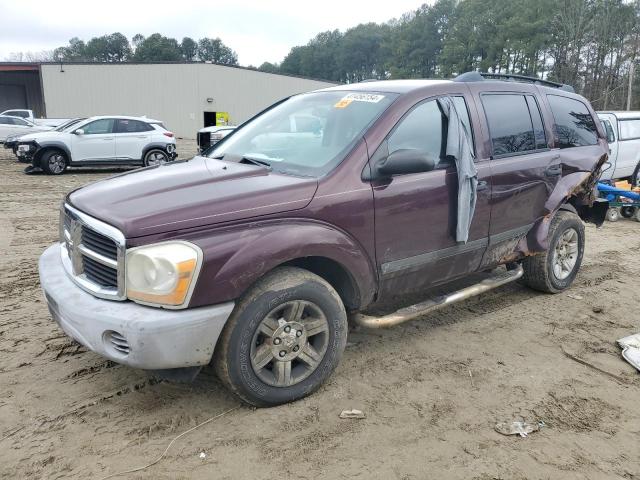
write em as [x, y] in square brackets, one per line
[47, 146]
[154, 146]
[236, 259]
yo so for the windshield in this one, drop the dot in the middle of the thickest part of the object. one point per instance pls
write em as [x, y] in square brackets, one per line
[307, 134]
[66, 125]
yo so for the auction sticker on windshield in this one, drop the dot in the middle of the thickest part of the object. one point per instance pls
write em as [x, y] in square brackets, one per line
[358, 97]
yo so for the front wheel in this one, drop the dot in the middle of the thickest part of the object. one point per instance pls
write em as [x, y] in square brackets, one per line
[53, 162]
[283, 340]
[155, 157]
[554, 270]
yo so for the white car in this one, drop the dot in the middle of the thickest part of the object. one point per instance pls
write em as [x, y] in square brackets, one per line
[623, 135]
[28, 115]
[208, 136]
[10, 126]
[99, 141]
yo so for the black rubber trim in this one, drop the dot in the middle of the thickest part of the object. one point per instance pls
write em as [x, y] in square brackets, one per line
[430, 257]
[151, 146]
[53, 144]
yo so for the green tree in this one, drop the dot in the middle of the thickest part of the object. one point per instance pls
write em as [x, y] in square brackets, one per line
[269, 67]
[157, 48]
[213, 50]
[189, 49]
[108, 48]
[74, 52]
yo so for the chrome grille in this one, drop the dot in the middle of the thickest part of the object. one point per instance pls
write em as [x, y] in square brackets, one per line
[93, 254]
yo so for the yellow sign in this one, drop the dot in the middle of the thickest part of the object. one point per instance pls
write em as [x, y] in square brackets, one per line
[222, 118]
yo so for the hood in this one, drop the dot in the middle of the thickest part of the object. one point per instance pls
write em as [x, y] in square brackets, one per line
[193, 193]
[42, 135]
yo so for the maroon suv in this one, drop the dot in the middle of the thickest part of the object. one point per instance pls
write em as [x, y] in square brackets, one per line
[252, 256]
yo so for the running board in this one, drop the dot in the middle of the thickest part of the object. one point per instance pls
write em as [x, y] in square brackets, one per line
[413, 311]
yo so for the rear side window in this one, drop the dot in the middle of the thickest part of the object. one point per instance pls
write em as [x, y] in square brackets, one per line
[574, 126]
[17, 113]
[124, 125]
[6, 121]
[510, 123]
[629, 129]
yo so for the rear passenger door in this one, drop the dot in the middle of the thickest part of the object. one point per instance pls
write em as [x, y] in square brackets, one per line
[131, 138]
[524, 169]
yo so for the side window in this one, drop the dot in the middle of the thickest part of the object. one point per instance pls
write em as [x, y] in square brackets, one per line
[17, 113]
[421, 129]
[19, 121]
[611, 137]
[5, 121]
[510, 123]
[575, 126]
[124, 125]
[104, 125]
[629, 129]
[536, 118]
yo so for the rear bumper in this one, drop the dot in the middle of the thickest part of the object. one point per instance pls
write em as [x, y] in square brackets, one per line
[125, 332]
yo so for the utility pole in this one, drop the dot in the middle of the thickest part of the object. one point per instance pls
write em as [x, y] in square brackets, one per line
[630, 90]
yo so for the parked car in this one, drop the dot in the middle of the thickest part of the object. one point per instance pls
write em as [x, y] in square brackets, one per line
[251, 258]
[28, 115]
[12, 140]
[208, 136]
[10, 126]
[623, 135]
[99, 141]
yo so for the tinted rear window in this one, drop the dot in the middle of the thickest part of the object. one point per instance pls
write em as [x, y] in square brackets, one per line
[574, 126]
[509, 123]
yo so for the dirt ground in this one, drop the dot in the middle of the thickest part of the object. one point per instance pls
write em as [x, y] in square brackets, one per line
[432, 390]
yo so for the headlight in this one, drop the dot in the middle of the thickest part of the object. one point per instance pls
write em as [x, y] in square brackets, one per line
[24, 148]
[163, 274]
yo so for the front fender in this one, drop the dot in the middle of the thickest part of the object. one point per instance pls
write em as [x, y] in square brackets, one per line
[52, 144]
[236, 257]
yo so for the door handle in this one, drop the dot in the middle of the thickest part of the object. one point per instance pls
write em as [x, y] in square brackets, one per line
[482, 185]
[141, 136]
[553, 170]
[107, 139]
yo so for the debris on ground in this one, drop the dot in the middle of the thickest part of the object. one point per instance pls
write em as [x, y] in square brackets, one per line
[518, 428]
[598, 309]
[203, 455]
[352, 414]
[575, 297]
[631, 349]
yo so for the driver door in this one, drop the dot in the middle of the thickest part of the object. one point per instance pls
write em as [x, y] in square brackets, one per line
[97, 143]
[415, 214]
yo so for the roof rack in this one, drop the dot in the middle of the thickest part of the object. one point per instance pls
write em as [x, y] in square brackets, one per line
[481, 76]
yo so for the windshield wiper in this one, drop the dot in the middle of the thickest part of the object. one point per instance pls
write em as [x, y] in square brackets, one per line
[256, 161]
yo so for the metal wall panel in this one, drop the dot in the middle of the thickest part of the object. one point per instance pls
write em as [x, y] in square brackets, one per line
[174, 93]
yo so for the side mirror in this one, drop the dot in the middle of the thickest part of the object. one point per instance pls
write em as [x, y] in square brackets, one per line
[79, 131]
[404, 161]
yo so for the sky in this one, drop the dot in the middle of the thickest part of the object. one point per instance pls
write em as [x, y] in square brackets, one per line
[258, 31]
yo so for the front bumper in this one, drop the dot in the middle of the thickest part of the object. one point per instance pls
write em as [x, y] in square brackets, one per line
[125, 332]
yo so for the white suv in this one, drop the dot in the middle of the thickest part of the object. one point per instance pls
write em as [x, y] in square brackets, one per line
[99, 141]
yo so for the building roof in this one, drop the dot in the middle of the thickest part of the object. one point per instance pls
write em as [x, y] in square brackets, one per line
[21, 66]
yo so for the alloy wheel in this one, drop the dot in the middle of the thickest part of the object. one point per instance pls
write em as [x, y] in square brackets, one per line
[565, 254]
[57, 163]
[289, 343]
[156, 158]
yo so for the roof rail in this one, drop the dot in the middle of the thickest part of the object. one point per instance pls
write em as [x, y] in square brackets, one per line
[509, 77]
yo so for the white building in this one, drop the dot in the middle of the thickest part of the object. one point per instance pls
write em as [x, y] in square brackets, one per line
[185, 96]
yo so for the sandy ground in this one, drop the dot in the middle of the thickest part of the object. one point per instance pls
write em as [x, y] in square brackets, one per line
[432, 389]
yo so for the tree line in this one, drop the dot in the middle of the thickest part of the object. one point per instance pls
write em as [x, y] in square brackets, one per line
[590, 44]
[154, 48]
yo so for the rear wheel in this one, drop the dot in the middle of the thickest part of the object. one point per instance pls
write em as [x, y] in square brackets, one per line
[613, 214]
[554, 270]
[155, 156]
[283, 340]
[53, 162]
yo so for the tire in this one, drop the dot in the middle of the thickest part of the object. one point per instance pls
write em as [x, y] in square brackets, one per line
[566, 235]
[627, 212]
[154, 157]
[264, 373]
[54, 162]
[613, 214]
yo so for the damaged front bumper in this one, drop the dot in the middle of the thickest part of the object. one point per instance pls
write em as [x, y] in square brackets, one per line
[125, 332]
